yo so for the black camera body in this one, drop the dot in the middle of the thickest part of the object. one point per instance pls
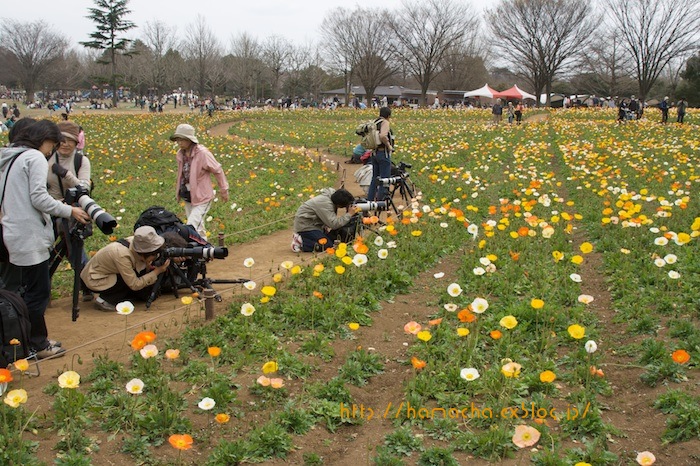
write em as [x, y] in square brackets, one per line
[79, 194]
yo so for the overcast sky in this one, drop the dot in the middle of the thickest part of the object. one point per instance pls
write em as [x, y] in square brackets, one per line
[296, 20]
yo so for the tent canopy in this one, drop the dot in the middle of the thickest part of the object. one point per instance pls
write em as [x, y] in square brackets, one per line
[485, 91]
[514, 93]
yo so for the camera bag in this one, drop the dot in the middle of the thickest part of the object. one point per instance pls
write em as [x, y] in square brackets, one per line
[14, 324]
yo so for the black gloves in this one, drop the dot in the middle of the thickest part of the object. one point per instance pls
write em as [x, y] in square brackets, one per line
[59, 170]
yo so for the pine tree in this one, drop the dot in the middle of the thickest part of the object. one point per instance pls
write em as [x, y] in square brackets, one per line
[109, 16]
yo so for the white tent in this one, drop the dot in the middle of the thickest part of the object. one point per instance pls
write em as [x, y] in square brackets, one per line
[485, 91]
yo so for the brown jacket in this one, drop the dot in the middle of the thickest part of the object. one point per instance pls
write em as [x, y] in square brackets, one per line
[100, 273]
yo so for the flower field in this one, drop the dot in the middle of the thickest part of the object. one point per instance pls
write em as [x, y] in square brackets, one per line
[537, 303]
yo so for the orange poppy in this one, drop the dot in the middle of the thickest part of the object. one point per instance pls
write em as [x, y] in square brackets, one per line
[360, 248]
[405, 221]
[322, 241]
[330, 251]
[680, 356]
[495, 334]
[523, 231]
[181, 441]
[318, 294]
[465, 315]
[142, 339]
[514, 255]
[595, 371]
[5, 376]
[214, 351]
[435, 321]
[417, 364]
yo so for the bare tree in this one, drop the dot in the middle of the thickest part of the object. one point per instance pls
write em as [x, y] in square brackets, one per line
[463, 67]
[275, 54]
[540, 37]
[247, 68]
[654, 32]
[605, 67]
[351, 41]
[201, 50]
[423, 31]
[159, 38]
[35, 46]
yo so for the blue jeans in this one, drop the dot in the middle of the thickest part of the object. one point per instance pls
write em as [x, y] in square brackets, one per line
[381, 167]
[310, 240]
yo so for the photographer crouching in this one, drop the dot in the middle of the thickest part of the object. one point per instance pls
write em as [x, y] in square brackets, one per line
[318, 219]
[123, 270]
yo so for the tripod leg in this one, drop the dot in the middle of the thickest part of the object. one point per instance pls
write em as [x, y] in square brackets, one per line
[76, 260]
[154, 292]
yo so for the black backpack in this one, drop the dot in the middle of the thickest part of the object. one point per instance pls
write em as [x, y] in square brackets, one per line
[163, 221]
[14, 324]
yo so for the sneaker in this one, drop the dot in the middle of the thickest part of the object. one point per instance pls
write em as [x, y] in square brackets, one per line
[102, 305]
[55, 343]
[297, 242]
[50, 351]
[88, 296]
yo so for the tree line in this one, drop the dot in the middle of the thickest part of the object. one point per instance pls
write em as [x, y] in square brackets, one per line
[601, 47]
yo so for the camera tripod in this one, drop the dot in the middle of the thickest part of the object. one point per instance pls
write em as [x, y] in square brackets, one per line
[69, 244]
[195, 285]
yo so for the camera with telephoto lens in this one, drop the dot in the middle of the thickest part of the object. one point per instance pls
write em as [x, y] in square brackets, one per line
[104, 221]
[366, 206]
[398, 173]
[199, 252]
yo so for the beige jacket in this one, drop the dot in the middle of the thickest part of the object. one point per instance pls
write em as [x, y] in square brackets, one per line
[100, 273]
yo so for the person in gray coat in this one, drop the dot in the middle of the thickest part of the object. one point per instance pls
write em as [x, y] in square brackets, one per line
[317, 217]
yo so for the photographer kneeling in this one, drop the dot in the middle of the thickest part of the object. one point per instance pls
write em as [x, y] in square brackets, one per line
[123, 270]
[318, 218]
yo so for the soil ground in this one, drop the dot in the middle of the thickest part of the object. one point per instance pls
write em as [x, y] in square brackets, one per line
[94, 333]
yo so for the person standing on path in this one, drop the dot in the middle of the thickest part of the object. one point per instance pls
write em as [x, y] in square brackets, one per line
[681, 106]
[381, 159]
[195, 165]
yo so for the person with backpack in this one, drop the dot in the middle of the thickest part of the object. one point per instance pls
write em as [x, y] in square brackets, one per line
[123, 270]
[68, 168]
[195, 166]
[27, 231]
[381, 159]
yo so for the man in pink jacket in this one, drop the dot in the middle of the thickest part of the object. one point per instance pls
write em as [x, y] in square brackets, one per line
[195, 165]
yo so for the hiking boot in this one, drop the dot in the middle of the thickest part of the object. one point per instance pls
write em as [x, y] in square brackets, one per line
[55, 343]
[102, 305]
[88, 296]
[50, 351]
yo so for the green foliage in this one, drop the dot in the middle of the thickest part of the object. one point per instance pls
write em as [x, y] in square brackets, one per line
[230, 453]
[296, 420]
[318, 345]
[436, 456]
[402, 442]
[385, 457]
[684, 423]
[269, 441]
[360, 366]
